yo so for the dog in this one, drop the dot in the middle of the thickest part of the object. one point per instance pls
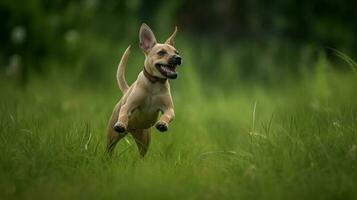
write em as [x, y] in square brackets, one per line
[142, 102]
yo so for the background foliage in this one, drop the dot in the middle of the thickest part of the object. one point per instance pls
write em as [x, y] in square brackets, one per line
[82, 34]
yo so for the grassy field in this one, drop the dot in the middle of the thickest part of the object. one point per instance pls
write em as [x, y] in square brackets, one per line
[296, 140]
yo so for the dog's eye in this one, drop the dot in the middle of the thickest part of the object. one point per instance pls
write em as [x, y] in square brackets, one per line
[161, 53]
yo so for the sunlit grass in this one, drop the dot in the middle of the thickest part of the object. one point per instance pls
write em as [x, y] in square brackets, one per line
[250, 142]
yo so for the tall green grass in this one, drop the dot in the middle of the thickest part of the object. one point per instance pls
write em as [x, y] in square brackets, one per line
[295, 140]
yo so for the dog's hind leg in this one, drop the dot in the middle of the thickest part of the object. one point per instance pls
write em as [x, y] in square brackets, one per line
[142, 138]
[113, 139]
[112, 135]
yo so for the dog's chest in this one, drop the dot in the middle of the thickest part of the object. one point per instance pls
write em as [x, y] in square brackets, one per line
[149, 105]
[146, 114]
[152, 101]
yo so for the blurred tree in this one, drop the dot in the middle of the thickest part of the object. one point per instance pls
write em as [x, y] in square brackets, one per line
[34, 31]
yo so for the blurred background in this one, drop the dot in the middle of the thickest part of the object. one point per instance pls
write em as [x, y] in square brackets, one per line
[229, 41]
[265, 101]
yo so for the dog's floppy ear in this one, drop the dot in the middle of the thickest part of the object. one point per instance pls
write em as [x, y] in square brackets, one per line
[170, 40]
[146, 37]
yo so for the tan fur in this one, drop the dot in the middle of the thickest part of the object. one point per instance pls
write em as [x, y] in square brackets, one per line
[121, 71]
[141, 104]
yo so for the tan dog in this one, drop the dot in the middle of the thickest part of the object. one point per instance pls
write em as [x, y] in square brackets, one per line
[139, 108]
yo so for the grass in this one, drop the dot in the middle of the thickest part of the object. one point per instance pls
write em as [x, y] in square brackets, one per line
[245, 142]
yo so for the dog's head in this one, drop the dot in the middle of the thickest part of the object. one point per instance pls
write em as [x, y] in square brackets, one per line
[161, 60]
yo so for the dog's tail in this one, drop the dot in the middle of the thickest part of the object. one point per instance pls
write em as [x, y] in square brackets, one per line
[121, 70]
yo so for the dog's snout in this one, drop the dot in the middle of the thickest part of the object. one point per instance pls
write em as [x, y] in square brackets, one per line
[176, 59]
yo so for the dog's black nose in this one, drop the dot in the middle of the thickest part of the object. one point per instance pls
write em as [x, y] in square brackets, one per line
[175, 59]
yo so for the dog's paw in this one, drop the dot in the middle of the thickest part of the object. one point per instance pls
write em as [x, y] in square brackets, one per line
[119, 127]
[161, 126]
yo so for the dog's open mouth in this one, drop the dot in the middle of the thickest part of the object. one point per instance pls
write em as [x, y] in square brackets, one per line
[167, 70]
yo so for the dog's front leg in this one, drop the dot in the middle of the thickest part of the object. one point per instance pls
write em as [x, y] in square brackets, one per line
[123, 119]
[168, 115]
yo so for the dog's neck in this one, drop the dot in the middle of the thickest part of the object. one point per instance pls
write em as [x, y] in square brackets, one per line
[152, 78]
